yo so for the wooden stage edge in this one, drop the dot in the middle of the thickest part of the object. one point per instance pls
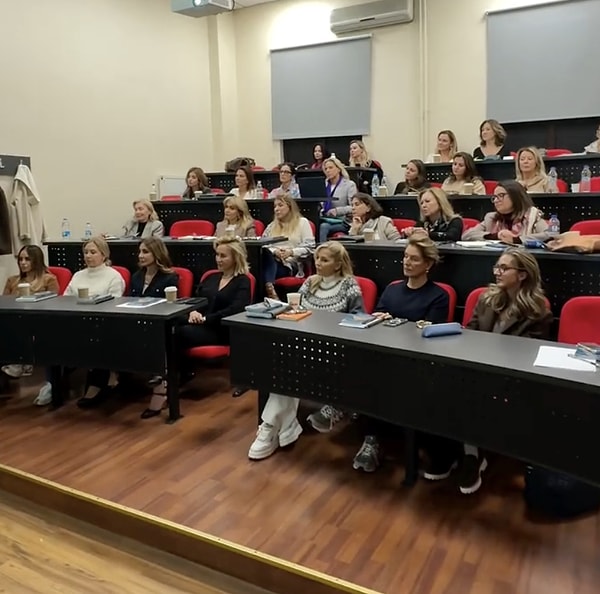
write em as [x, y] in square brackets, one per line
[265, 571]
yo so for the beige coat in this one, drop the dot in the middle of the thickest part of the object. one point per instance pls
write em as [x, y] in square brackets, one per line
[538, 185]
[457, 187]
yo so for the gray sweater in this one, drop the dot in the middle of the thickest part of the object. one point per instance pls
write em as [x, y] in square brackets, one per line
[333, 294]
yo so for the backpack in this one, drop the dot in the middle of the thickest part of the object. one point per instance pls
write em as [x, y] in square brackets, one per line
[233, 165]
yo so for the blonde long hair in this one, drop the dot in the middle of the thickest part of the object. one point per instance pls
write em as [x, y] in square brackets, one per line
[338, 164]
[341, 258]
[365, 155]
[442, 199]
[153, 216]
[289, 228]
[238, 251]
[540, 168]
[158, 249]
[529, 302]
[242, 207]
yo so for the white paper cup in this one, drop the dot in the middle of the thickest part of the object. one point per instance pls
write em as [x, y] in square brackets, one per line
[383, 191]
[24, 289]
[230, 231]
[197, 195]
[171, 293]
[369, 235]
[83, 292]
[294, 299]
[437, 158]
[575, 188]
[468, 188]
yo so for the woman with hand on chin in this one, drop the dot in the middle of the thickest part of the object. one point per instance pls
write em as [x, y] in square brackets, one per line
[145, 221]
[245, 184]
[515, 219]
[227, 293]
[367, 216]
[438, 219]
[288, 184]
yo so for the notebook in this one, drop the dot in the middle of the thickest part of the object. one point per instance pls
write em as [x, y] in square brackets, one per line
[360, 320]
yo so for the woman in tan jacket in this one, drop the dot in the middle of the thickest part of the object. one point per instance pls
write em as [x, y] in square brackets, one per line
[367, 216]
[531, 172]
[236, 218]
[463, 171]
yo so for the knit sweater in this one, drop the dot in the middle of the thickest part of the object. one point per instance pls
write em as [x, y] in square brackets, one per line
[333, 294]
[100, 280]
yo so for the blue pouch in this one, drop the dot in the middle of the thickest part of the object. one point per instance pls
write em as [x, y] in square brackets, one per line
[442, 330]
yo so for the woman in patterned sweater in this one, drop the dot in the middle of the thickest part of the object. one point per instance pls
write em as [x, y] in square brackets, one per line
[333, 288]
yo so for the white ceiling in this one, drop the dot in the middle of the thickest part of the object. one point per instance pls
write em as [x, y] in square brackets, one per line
[248, 3]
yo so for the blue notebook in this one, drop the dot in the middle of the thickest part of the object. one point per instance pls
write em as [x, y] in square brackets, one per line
[360, 320]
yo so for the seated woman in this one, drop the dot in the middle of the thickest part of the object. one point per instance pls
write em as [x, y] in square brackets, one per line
[463, 171]
[359, 157]
[155, 273]
[414, 178]
[339, 189]
[245, 184]
[367, 215]
[32, 270]
[333, 288]
[531, 171]
[417, 299]
[100, 279]
[320, 153]
[196, 181]
[285, 258]
[514, 305]
[514, 220]
[236, 219]
[144, 223]
[438, 219]
[446, 147]
[594, 147]
[287, 181]
[227, 293]
[493, 137]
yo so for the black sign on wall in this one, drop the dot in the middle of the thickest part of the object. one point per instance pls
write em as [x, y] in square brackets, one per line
[10, 163]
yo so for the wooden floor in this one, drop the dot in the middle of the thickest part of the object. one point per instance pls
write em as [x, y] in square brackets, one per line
[305, 505]
[42, 552]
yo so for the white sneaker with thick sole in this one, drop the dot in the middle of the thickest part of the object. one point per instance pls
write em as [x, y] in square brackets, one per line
[45, 395]
[265, 444]
[290, 434]
[15, 370]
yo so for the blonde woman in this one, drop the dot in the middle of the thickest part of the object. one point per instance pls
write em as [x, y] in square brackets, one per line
[359, 157]
[285, 258]
[514, 305]
[367, 215]
[493, 137]
[531, 172]
[339, 189]
[463, 171]
[333, 288]
[236, 217]
[438, 219]
[145, 221]
[446, 147]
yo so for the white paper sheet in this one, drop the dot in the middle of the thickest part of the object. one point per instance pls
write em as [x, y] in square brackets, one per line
[561, 358]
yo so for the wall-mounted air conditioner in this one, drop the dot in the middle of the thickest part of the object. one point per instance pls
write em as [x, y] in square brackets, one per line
[201, 8]
[371, 14]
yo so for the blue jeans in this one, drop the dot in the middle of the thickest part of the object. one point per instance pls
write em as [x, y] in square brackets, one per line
[327, 229]
[273, 268]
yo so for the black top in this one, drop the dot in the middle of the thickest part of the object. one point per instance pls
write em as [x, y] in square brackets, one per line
[442, 230]
[140, 229]
[231, 299]
[404, 188]
[428, 302]
[365, 178]
[502, 152]
[157, 285]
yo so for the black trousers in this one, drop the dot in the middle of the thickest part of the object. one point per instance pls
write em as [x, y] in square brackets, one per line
[97, 378]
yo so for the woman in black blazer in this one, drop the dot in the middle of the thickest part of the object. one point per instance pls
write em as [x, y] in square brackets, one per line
[155, 273]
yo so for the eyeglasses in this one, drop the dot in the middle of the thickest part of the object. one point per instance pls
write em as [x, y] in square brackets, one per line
[499, 197]
[501, 269]
[285, 171]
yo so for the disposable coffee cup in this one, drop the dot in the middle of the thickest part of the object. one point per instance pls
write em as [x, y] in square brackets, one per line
[294, 300]
[197, 195]
[468, 188]
[230, 231]
[437, 158]
[83, 292]
[369, 235]
[383, 191]
[171, 293]
[24, 289]
[575, 188]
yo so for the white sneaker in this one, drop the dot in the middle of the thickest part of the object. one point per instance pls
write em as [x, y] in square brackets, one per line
[290, 434]
[45, 395]
[15, 370]
[265, 444]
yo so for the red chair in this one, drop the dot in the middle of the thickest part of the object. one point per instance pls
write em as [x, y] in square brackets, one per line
[451, 297]
[591, 227]
[290, 283]
[259, 226]
[63, 276]
[490, 186]
[469, 223]
[186, 281]
[369, 292]
[191, 227]
[313, 228]
[217, 191]
[258, 168]
[580, 320]
[557, 152]
[595, 184]
[402, 224]
[170, 198]
[217, 351]
[435, 184]
[124, 272]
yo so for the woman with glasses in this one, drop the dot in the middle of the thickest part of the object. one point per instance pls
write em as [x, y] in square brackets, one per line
[287, 181]
[515, 304]
[514, 220]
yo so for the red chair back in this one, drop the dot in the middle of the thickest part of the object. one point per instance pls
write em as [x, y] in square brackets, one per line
[313, 228]
[249, 275]
[401, 224]
[170, 198]
[591, 227]
[580, 320]
[63, 276]
[469, 223]
[561, 186]
[490, 186]
[558, 152]
[435, 184]
[470, 304]
[595, 184]
[369, 292]
[217, 191]
[124, 272]
[185, 286]
[259, 226]
[191, 227]
[451, 297]
[258, 168]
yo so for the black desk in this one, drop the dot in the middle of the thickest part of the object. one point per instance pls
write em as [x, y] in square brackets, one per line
[568, 168]
[564, 275]
[59, 332]
[211, 209]
[477, 387]
[570, 208]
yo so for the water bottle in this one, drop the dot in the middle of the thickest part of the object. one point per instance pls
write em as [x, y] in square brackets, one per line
[87, 234]
[554, 226]
[259, 190]
[586, 180]
[375, 186]
[552, 177]
[65, 229]
[333, 156]
[153, 195]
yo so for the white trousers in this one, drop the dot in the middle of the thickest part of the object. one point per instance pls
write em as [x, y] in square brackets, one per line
[280, 411]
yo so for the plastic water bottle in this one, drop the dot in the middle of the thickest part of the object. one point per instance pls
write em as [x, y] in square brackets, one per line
[87, 234]
[554, 225]
[333, 156]
[259, 190]
[153, 195]
[552, 177]
[375, 186]
[65, 229]
[586, 180]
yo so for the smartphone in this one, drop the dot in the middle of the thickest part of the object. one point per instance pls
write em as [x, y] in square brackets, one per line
[395, 322]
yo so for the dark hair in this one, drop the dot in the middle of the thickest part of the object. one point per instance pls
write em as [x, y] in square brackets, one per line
[421, 173]
[470, 167]
[325, 153]
[249, 176]
[36, 257]
[499, 132]
[291, 166]
[375, 208]
[202, 182]
[521, 200]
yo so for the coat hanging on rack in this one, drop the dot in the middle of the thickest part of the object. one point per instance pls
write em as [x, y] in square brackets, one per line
[5, 234]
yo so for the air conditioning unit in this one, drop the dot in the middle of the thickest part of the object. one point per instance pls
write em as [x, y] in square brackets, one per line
[371, 14]
[201, 8]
